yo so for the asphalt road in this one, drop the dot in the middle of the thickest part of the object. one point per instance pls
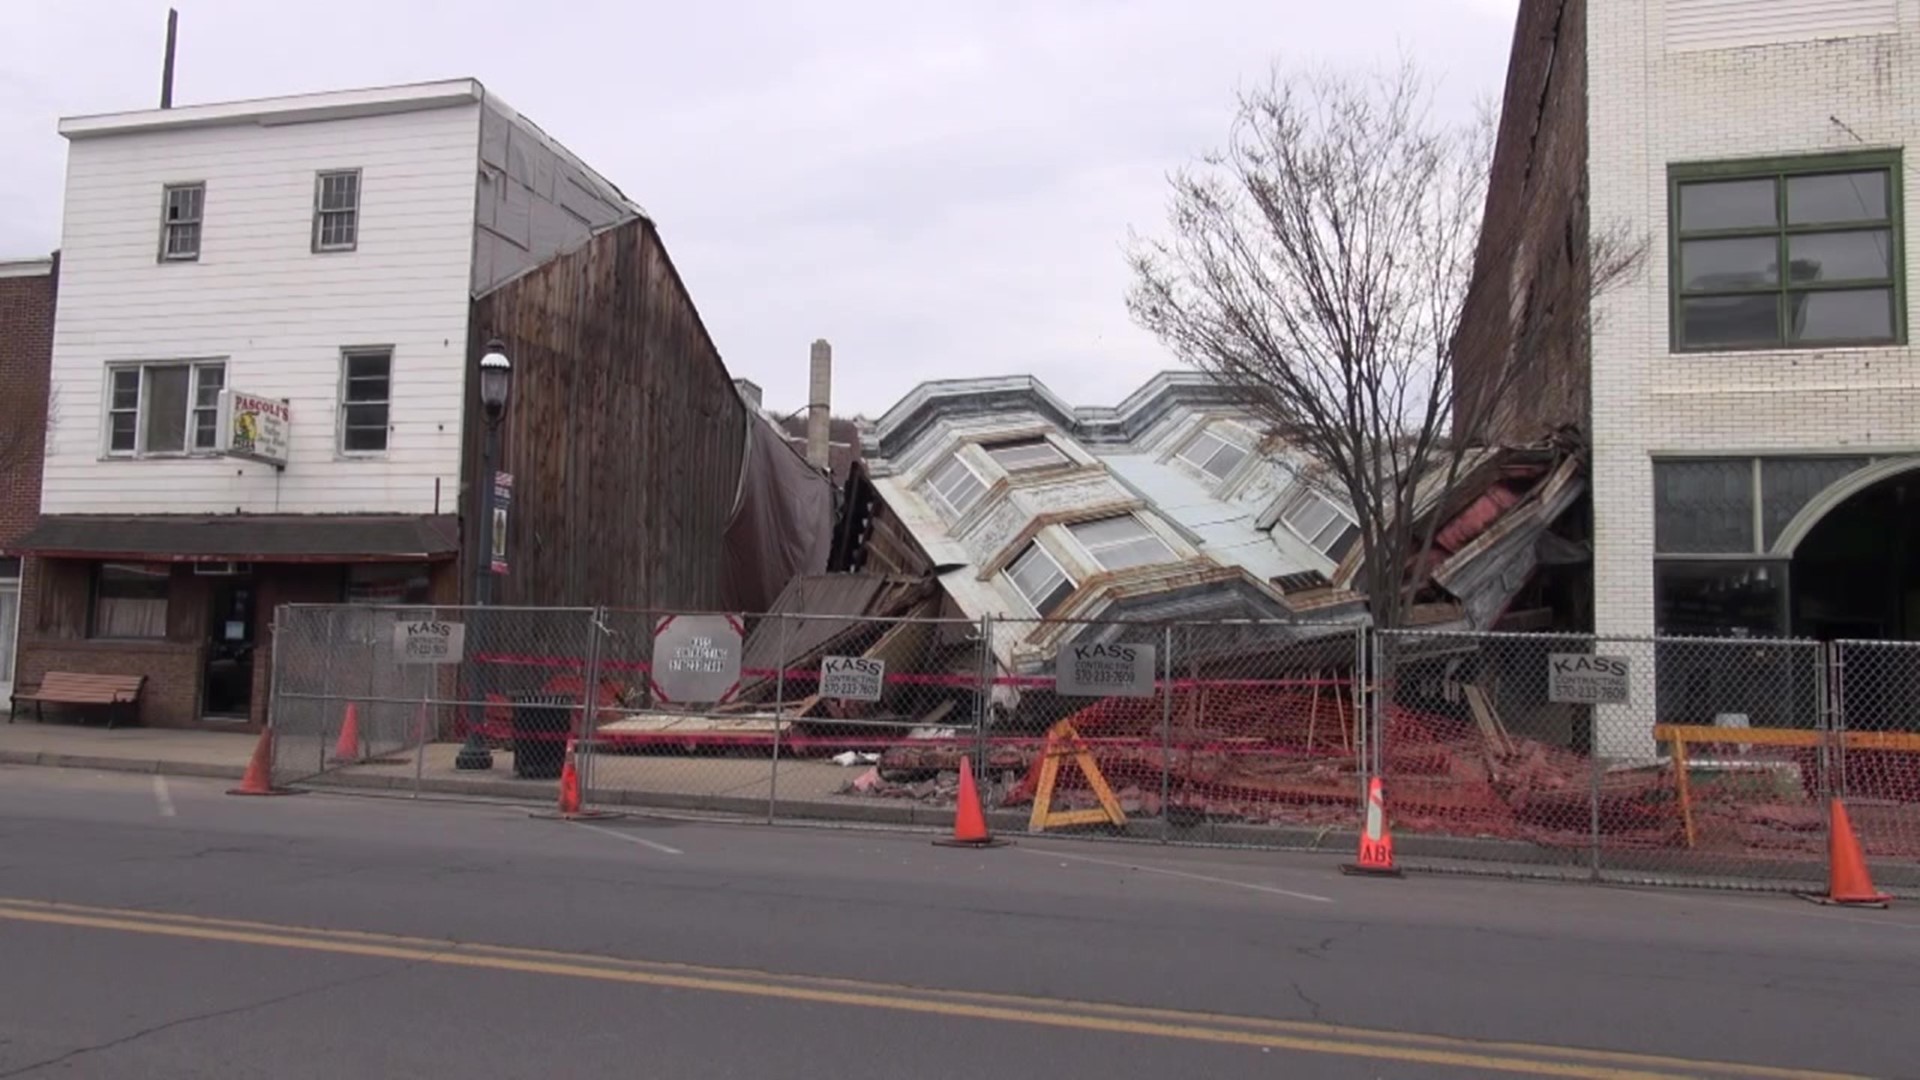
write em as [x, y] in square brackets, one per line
[159, 928]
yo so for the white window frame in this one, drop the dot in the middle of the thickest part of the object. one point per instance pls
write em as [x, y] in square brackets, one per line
[1035, 549]
[1206, 434]
[343, 407]
[196, 373]
[322, 212]
[940, 498]
[1306, 498]
[1094, 549]
[994, 450]
[169, 223]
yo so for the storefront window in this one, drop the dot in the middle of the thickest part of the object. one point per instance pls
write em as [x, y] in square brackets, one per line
[389, 583]
[130, 600]
[1716, 598]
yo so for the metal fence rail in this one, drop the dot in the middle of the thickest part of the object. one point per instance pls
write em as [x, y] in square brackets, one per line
[1712, 761]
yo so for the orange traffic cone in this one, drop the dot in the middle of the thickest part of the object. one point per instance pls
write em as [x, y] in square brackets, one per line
[1847, 880]
[347, 750]
[569, 786]
[969, 822]
[1376, 841]
[259, 776]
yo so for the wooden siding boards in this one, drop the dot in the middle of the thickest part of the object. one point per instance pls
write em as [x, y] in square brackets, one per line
[624, 436]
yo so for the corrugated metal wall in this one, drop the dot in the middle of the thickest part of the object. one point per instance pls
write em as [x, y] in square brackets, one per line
[1722, 24]
[624, 436]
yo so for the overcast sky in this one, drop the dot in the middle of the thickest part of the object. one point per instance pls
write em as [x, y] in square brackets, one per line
[941, 191]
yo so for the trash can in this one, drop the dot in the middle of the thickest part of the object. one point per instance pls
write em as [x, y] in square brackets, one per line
[541, 724]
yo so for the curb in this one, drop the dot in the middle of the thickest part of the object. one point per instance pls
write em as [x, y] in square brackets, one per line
[201, 769]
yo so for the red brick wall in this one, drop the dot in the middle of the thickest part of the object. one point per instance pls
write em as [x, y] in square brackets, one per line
[26, 355]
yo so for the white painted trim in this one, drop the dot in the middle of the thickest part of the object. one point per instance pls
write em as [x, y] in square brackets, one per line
[1836, 494]
[293, 109]
[18, 268]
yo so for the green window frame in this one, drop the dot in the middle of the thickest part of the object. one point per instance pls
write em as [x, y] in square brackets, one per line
[1821, 209]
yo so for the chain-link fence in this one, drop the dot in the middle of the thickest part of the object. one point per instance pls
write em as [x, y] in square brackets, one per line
[1875, 756]
[1708, 760]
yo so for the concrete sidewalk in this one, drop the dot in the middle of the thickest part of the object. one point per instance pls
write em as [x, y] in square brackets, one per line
[216, 754]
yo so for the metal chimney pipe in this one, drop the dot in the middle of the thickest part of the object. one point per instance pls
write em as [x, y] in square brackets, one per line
[166, 67]
[819, 404]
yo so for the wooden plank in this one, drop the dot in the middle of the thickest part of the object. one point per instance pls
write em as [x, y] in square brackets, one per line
[1490, 727]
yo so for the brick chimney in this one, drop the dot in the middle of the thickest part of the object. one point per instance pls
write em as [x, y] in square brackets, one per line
[819, 403]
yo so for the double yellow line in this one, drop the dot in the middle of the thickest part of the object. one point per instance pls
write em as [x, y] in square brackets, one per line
[1284, 1035]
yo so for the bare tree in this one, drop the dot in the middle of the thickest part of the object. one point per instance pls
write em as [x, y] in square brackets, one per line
[1320, 265]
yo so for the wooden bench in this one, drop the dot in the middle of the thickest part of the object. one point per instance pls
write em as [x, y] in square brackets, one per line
[118, 694]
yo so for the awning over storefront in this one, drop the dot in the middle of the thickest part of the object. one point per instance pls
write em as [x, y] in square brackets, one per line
[301, 538]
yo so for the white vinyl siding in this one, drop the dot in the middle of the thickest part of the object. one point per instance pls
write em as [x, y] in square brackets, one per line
[279, 314]
[1693, 25]
[1213, 454]
[1121, 543]
[1038, 578]
[954, 487]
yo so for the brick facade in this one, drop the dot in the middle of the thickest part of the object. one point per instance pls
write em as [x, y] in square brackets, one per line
[26, 355]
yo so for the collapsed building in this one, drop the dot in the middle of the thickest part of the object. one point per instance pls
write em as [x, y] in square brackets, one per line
[1171, 520]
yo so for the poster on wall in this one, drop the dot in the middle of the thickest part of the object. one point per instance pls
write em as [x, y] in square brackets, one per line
[502, 501]
[253, 427]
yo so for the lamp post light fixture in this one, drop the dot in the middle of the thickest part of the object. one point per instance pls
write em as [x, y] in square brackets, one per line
[496, 391]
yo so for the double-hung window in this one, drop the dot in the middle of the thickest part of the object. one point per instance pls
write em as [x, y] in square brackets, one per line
[1213, 454]
[1121, 543]
[1805, 252]
[181, 208]
[1019, 455]
[366, 396]
[164, 408]
[336, 210]
[1038, 578]
[954, 486]
[1314, 518]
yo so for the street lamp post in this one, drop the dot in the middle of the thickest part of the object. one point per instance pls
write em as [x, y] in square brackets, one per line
[496, 389]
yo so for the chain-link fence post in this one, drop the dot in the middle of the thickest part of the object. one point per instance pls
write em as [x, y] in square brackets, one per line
[587, 736]
[779, 712]
[1595, 770]
[1166, 734]
[983, 709]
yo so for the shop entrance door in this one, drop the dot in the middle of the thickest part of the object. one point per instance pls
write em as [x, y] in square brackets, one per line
[227, 690]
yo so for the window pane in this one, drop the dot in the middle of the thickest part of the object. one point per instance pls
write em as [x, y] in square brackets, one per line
[1844, 256]
[165, 406]
[1730, 320]
[1817, 200]
[207, 386]
[369, 365]
[205, 429]
[1115, 530]
[1849, 315]
[1309, 514]
[122, 439]
[1727, 204]
[1717, 265]
[183, 239]
[1203, 446]
[955, 485]
[126, 389]
[1703, 506]
[1027, 454]
[1225, 460]
[367, 416]
[130, 600]
[1718, 599]
[1788, 484]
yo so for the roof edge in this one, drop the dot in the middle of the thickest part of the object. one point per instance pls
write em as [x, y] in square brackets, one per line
[285, 109]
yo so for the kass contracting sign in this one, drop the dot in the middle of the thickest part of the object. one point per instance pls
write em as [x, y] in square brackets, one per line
[1585, 679]
[1102, 669]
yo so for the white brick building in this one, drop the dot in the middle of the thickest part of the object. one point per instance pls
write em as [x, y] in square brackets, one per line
[1753, 429]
